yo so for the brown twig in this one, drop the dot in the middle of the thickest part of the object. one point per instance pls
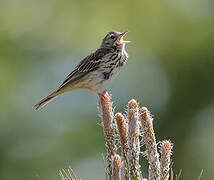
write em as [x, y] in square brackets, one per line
[129, 130]
[105, 106]
[165, 159]
[116, 167]
[151, 145]
[122, 128]
[134, 143]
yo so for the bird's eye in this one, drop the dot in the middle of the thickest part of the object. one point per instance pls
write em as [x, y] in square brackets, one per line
[112, 36]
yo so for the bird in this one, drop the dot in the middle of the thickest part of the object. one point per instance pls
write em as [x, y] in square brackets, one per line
[96, 70]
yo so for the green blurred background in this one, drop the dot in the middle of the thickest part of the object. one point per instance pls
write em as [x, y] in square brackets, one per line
[170, 70]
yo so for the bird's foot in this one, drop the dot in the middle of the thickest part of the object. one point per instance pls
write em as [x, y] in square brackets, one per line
[105, 95]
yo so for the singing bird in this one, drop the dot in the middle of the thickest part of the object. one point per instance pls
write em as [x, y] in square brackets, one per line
[97, 69]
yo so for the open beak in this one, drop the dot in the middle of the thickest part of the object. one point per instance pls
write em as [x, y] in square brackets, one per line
[120, 38]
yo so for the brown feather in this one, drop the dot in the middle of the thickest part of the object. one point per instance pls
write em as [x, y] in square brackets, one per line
[88, 64]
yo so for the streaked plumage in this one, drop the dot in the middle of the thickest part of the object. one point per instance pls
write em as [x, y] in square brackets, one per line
[97, 69]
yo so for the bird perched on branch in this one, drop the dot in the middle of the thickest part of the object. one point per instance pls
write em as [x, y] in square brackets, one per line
[97, 69]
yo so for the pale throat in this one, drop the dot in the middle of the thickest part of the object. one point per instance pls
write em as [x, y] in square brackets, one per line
[122, 48]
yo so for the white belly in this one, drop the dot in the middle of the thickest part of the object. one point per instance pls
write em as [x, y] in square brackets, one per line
[95, 80]
[112, 76]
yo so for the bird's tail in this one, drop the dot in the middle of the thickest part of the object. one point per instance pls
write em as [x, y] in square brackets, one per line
[46, 100]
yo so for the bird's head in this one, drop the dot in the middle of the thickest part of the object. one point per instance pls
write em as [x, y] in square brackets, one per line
[114, 40]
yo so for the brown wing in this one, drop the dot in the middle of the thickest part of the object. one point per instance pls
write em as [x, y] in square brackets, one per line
[88, 64]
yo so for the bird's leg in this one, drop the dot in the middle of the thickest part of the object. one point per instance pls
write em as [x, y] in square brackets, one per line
[102, 94]
[92, 91]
